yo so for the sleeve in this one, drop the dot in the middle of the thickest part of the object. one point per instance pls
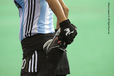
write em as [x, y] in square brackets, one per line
[17, 4]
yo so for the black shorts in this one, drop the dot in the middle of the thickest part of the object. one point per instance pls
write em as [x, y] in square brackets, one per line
[34, 57]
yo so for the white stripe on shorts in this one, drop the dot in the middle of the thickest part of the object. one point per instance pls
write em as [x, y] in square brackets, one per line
[36, 56]
[29, 69]
[33, 63]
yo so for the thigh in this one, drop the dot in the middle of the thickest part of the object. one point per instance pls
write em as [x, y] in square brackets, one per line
[34, 57]
[32, 63]
[63, 67]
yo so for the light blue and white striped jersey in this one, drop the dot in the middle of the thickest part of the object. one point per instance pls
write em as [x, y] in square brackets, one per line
[35, 17]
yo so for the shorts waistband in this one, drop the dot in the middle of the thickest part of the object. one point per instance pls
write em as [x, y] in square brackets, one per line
[35, 38]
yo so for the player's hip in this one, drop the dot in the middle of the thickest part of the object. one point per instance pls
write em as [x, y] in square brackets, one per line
[33, 54]
[36, 41]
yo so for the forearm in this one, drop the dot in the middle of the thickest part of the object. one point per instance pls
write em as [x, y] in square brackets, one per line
[65, 8]
[66, 11]
[57, 9]
[68, 30]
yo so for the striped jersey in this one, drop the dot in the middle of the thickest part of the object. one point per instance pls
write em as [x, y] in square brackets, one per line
[35, 17]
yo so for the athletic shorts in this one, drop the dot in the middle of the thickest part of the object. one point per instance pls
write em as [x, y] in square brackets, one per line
[34, 57]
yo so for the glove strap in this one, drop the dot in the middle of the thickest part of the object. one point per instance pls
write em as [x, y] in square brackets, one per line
[65, 23]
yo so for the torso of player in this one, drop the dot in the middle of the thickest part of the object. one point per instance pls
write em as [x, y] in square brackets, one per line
[35, 17]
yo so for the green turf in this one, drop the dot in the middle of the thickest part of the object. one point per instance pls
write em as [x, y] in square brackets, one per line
[92, 52]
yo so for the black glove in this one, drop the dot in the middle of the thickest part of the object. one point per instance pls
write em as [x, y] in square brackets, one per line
[63, 43]
[55, 42]
[68, 31]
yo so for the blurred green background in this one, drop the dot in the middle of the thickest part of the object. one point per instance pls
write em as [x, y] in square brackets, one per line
[92, 53]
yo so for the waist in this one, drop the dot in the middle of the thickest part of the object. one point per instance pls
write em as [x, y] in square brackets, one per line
[24, 32]
[36, 41]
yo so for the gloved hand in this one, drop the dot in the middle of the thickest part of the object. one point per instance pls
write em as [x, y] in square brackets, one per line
[55, 42]
[68, 31]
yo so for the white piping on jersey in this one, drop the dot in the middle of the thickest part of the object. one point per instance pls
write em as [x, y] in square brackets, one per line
[36, 17]
[30, 17]
[40, 19]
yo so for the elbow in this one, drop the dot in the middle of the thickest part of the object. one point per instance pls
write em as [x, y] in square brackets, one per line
[66, 9]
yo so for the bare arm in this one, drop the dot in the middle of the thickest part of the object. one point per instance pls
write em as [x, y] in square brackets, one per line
[56, 7]
[65, 24]
[66, 11]
[65, 8]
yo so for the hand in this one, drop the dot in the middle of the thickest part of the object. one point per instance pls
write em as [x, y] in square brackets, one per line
[55, 42]
[68, 31]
